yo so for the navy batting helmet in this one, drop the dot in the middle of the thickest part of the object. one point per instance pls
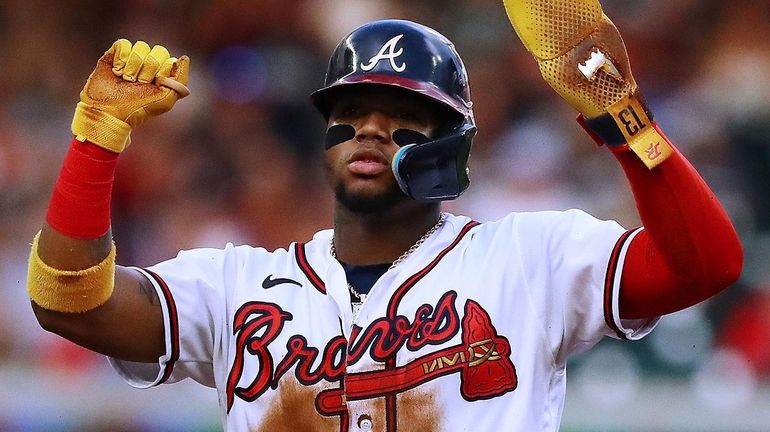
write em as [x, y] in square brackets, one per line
[414, 57]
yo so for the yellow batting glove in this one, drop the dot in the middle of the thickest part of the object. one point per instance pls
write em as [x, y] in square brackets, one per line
[582, 56]
[129, 84]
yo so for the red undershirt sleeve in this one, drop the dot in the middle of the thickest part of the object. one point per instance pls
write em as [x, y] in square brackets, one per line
[80, 202]
[688, 250]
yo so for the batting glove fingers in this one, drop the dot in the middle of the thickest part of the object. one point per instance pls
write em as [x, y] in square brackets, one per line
[578, 49]
[582, 56]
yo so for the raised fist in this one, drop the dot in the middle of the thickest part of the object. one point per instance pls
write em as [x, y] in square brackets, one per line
[129, 84]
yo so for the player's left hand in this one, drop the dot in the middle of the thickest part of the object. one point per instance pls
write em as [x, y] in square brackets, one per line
[578, 49]
[582, 56]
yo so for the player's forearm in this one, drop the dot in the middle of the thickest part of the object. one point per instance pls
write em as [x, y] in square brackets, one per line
[76, 234]
[72, 261]
[67, 253]
[681, 214]
[689, 250]
[127, 303]
[72, 266]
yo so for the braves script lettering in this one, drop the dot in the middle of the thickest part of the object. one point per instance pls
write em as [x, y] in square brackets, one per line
[482, 359]
[268, 317]
[383, 338]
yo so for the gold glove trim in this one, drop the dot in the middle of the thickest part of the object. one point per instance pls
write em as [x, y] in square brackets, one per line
[70, 291]
[97, 126]
[640, 132]
[651, 147]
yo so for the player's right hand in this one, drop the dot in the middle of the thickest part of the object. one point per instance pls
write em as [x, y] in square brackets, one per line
[129, 84]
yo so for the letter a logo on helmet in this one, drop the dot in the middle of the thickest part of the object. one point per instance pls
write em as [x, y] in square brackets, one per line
[391, 55]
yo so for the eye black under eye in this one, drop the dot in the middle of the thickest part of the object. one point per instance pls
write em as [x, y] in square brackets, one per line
[338, 134]
[403, 137]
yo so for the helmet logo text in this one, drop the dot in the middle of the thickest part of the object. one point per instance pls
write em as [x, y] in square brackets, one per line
[388, 51]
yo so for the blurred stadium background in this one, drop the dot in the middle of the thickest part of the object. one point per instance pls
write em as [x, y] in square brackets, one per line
[238, 161]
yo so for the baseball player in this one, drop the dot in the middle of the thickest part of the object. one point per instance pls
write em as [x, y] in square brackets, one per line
[401, 316]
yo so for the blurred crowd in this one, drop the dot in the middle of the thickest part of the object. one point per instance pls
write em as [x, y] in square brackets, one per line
[238, 160]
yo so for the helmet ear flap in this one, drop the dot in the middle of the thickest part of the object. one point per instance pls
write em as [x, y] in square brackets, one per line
[435, 170]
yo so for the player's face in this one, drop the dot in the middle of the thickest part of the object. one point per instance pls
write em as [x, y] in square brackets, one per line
[359, 169]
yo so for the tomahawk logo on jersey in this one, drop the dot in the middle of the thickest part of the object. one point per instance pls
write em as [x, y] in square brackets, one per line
[477, 313]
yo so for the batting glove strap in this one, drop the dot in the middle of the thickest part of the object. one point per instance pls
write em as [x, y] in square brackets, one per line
[628, 125]
[610, 130]
[101, 128]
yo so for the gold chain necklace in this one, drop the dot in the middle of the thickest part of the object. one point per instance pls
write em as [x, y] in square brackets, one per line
[357, 298]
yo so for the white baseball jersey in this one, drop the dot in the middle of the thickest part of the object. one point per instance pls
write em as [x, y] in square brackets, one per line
[470, 333]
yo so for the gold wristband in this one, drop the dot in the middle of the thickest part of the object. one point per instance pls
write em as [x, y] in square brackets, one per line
[69, 291]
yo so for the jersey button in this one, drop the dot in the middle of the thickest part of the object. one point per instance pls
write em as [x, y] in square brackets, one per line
[365, 422]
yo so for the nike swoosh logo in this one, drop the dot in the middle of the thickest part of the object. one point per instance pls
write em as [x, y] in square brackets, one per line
[269, 282]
